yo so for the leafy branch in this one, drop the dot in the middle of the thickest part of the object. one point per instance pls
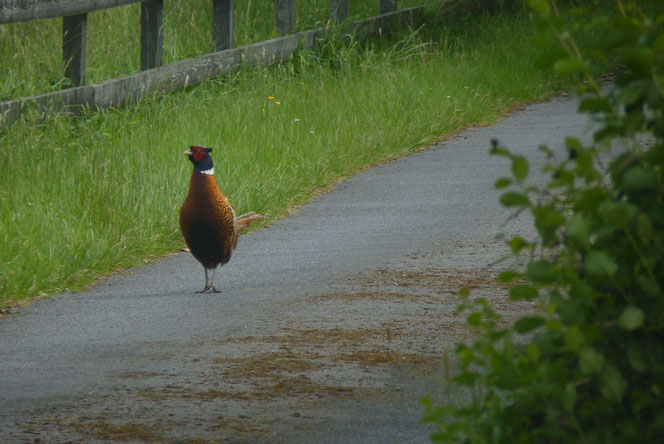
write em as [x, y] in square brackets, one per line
[589, 366]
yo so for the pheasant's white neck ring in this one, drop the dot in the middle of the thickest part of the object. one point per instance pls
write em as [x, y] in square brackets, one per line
[210, 172]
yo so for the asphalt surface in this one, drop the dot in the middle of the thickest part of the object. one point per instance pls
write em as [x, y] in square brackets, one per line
[329, 328]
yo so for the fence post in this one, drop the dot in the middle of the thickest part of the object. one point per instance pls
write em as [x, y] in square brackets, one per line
[338, 10]
[222, 23]
[388, 6]
[285, 17]
[151, 35]
[74, 44]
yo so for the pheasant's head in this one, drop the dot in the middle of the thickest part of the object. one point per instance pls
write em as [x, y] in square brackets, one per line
[200, 157]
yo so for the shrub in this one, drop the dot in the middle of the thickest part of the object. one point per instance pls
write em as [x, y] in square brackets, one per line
[590, 366]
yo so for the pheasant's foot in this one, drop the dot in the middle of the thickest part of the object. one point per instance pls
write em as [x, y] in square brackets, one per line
[209, 289]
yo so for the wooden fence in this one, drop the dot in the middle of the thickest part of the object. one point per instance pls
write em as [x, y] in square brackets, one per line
[156, 76]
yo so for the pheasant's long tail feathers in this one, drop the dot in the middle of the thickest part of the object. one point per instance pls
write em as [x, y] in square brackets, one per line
[247, 218]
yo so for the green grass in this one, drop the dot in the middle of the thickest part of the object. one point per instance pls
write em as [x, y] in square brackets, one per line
[83, 196]
[31, 57]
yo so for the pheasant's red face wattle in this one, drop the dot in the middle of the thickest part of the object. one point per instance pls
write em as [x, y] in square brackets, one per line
[198, 153]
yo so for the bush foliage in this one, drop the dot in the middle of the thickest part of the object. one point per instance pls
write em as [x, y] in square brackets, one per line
[590, 366]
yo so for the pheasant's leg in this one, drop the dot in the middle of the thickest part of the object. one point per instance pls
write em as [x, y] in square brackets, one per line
[209, 282]
[214, 274]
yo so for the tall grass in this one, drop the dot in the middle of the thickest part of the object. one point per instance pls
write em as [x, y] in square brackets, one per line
[31, 56]
[83, 196]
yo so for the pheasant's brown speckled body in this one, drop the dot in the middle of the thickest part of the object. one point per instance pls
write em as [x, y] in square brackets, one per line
[207, 219]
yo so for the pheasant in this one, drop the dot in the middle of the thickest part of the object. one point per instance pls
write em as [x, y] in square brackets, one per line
[207, 219]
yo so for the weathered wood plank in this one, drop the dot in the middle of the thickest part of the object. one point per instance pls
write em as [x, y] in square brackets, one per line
[118, 92]
[74, 47]
[222, 23]
[270, 51]
[338, 10]
[21, 10]
[70, 100]
[151, 34]
[286, 17]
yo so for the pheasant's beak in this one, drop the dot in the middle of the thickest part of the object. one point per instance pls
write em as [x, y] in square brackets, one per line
[188, 152]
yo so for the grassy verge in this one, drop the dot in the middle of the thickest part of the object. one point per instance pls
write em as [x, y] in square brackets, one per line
[83, 196]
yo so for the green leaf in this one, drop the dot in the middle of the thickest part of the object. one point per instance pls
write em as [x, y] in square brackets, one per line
[517, 243]
[640, 60]
[540, 271]
[475, 319]
[595, 104]
[523, 292]
[499, 151]
[600, 263]
[568, 65]
[503, 182]
[613, 385]
[573, 337]
[533, 352]
[618, 214]
[509, 276]
[514, 199]
[466, 378]
[591, 199]
[465, 354]
[569, 397]
[549, 56]
[638, 179]
[590, 361]
[547, 221]
[541, 7]
[519, 168]
[659, 43]
[631, 318]
[578, 229]
[585, 162]
[528, 323]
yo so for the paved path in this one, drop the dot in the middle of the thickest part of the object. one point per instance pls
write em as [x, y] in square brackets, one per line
[329, 328]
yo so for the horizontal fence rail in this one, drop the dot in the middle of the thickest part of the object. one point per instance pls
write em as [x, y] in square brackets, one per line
[154, 77]
[23, 10]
